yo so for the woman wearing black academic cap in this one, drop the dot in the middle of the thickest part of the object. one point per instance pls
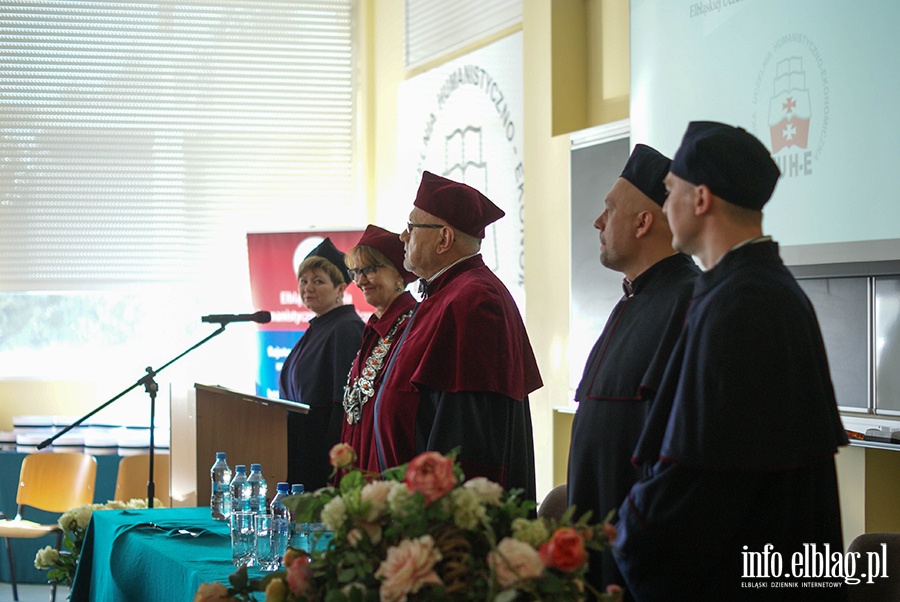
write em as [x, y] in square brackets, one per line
[315, 372]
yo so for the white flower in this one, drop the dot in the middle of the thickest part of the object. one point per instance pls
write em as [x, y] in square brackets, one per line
[46, 558]
[467, 508]
[489, 491]
[334, 513]
[374, 494]
[532, 532]
[514, 561]
[138, 503]
[397, 498]
[77, 518]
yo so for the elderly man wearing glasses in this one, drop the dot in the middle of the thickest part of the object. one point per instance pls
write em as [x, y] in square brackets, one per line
[463, 369]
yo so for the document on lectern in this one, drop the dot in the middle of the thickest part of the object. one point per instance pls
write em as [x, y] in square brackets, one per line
[291, 406]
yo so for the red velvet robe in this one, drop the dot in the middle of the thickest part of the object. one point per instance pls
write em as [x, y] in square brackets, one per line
[361, 435]
[461, 378]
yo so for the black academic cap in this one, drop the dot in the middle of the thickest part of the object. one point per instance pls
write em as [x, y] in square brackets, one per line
[327, 250]
[646, 168]
[733, 163]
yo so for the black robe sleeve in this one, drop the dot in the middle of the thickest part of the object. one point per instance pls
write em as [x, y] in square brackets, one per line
[472, 422]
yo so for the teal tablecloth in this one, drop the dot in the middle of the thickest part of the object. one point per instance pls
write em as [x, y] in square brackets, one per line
[126, 559]
[25, 549]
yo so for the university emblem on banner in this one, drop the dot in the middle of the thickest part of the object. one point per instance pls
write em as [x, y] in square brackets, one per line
[462, 120]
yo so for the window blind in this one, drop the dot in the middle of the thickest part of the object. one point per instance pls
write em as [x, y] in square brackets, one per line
[137, 138]
[434, 29]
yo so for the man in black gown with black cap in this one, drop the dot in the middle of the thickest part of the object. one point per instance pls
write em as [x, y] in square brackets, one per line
[623, 370]
[741, 438]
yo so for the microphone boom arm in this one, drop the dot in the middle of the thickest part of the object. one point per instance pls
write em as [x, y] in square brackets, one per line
[151, 388]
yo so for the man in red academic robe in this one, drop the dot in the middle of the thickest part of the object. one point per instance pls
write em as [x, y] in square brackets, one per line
[464, 368]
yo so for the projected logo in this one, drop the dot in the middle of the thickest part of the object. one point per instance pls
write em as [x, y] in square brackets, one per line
[789, 108]
[791, 105]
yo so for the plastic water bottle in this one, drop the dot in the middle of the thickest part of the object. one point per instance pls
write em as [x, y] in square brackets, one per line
[258, 489]
[219, 488]
[281, 520]
[298, 530]
[240, 490]
[278, 509]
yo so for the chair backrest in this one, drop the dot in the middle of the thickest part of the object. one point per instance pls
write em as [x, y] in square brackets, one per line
[131, 480]
[883, 589]
[554, 503]
[56, 482]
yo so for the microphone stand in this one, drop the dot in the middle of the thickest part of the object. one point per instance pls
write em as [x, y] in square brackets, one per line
[151, 388]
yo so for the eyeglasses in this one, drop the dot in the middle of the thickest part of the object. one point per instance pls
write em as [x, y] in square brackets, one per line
[366, 270]
[411, 226]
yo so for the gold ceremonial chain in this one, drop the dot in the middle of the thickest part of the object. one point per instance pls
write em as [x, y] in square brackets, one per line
[357, 393]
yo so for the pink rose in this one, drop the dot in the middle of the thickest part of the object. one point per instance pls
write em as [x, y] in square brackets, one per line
[210, 592]
[610, 532]
[354, 536]
[407, 568]
[431, 474]
[299, 575]
[342, 456]
[565, 550]
[374, 494]
[290, 554]
[514, 561]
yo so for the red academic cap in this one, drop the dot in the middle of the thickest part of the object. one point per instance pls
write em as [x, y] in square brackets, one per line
[458, 204]
[390, 246]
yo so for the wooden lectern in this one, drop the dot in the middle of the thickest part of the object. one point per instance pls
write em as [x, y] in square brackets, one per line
[248, 428]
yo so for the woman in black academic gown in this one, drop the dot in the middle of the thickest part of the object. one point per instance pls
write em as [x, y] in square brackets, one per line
[316, 370]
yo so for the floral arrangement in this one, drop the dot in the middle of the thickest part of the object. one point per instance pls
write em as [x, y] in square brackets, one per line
[60, 565]
[422, 532]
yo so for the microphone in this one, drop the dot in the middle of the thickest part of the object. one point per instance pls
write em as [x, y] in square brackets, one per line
[263, 317]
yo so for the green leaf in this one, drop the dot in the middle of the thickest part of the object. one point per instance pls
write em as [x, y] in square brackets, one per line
[352, 480]
[397, 473]
[238, 579]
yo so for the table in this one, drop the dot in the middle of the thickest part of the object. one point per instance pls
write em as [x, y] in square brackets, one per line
[25, 549]
[126, 559]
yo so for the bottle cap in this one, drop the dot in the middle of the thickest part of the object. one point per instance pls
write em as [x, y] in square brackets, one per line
[256, 468]
[220, 455]
[240, 468]
[297, 488]
[283, 487]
